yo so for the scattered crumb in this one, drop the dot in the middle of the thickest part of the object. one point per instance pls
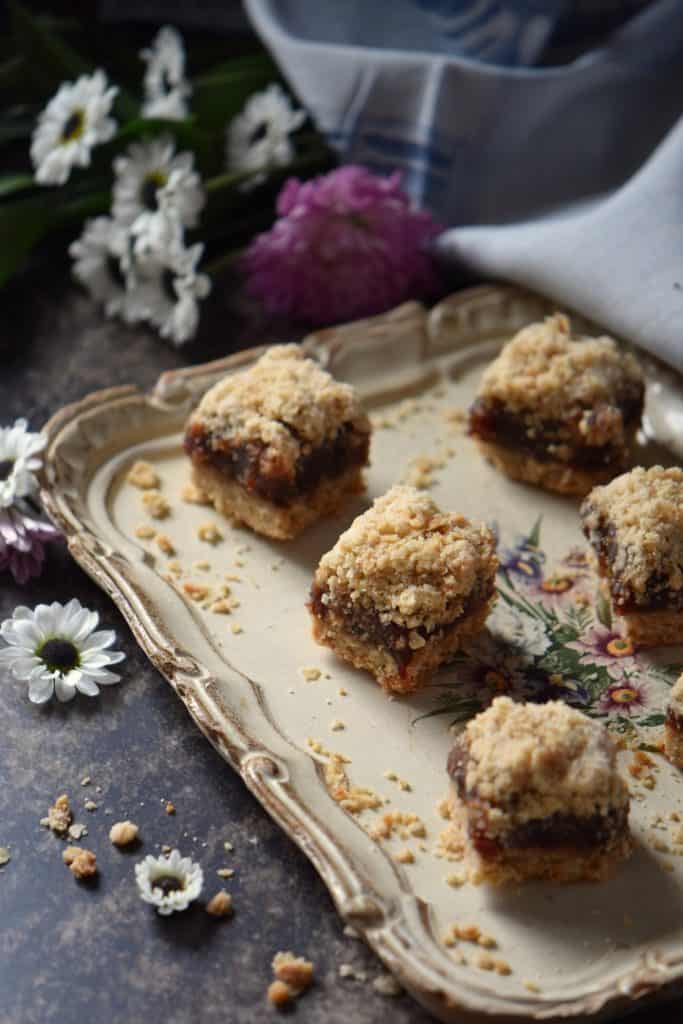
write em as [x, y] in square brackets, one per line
[224, 606]
[404, 856]
[170, 807]
[485, 962]
[220, 905]
[165, 544]
[386, 985]
[455, 416]
[4, 856]
[196, 591]
[228, 846]
[236, 628]
[59, 816]
[194, 495]
[86, 780]
[279, 994]
[531, 986]
[405, 823]
[467, 932]
[202, 565]
[225, 872]
[144, 476]
[456, 879]
[660, 845]
[232, 578]
[391, 776]
[310, 674]
[342, 692]
[123, 833]
[156, 504]
[674, 816]
[82, 863]
[337, 725]
[349, 971]
[209, 533]
[90, 805]
[420, 472]
[678, 836]
[295, 971]
[487, 941]
[502, 967]
[145, 532]
[77, 831]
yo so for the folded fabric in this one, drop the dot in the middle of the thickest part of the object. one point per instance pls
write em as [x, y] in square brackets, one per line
[554, 164]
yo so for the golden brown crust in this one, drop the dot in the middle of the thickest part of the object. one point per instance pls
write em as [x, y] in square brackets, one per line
[281, 523]
[673, 745]
[545, 370]
[530, 761]
[644, 512]
[552, 476]
[285, 400]
[652, 629]
[408, 563]
[331, 632]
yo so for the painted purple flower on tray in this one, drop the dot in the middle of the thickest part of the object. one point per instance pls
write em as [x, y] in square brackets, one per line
[347, 244]
[23, 537]
[602, 645]
[550, 636]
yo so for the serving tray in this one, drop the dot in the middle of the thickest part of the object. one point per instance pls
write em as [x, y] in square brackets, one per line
[277, 707]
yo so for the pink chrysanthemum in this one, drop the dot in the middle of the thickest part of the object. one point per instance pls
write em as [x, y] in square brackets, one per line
[22, 542]
[347, 244]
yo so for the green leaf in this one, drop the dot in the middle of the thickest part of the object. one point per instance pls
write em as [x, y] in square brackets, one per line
[534, 537]
[11, 183]
[655, 719]
[603, 610]
[22, 224]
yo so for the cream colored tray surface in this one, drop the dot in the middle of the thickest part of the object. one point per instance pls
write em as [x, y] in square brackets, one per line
[573, 952]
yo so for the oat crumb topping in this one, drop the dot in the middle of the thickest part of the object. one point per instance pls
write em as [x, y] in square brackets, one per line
[59, 816]
[123, 833]
[209, 533]
[156, 504]
[82, 863]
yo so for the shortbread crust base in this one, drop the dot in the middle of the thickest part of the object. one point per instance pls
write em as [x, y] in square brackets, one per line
[552, 476]
[331, 632]
[561, 865]
[652, 629]
[673, 745]
[279, 522]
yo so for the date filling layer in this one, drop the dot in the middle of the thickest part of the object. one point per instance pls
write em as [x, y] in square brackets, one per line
[550, 440]
[245, 461]
[557, 831]
[394, 639]
[656, 595]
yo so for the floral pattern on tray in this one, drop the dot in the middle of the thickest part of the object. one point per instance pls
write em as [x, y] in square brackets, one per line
[551, 636]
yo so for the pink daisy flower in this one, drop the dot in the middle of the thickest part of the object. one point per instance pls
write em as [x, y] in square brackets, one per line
[22, 543]
[603, 646]
[347, 244]
[624, 697]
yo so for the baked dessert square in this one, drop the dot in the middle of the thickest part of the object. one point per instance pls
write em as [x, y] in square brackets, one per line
[673, 727]
[537, 790]
[279, 445]
[558, 411]
[403, 587]
[635, 526]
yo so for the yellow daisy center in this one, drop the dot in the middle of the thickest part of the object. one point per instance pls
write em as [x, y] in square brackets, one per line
[556, 584]
[619, 647]
[624, 695]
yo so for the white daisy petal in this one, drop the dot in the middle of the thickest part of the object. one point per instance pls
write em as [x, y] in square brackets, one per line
[87, 686]
[55, 650]
[166, 88]
[183, 870]
[17, 462]
[73, 122]
[64, 691]
[258, 138]
[40, 690]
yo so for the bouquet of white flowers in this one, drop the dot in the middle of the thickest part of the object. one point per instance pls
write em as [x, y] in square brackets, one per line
[164, 186]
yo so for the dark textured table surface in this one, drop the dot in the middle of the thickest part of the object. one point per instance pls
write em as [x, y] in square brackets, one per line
[72, 953]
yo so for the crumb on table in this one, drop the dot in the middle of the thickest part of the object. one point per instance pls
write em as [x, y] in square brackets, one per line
[123, 833]
[209, 533]
[59, 816]
[143, 475]
[156, 504]
[82, 863]
[194, 495]
[145, 532]
[4, 856]
[165, 544]
[310, 673]
[220, 905]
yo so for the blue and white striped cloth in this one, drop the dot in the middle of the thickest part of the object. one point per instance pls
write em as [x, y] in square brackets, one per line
[546, 131]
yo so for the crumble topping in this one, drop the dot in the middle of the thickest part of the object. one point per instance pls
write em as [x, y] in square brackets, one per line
[408, 561]
[59, 816]
[544, 369]
[285, 400]
[165, 544]
[533, 760]
[145, 532]
[644, 508]
[155, 503]
[143, 475]
[209, 533]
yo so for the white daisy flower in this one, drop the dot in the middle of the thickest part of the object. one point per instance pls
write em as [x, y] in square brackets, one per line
[74, 121]
[166, 88]
[151, 176]
[19, 460]
[103, 258]
[169, 287]
[258, 138]
[169, 883]
[56, 650]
